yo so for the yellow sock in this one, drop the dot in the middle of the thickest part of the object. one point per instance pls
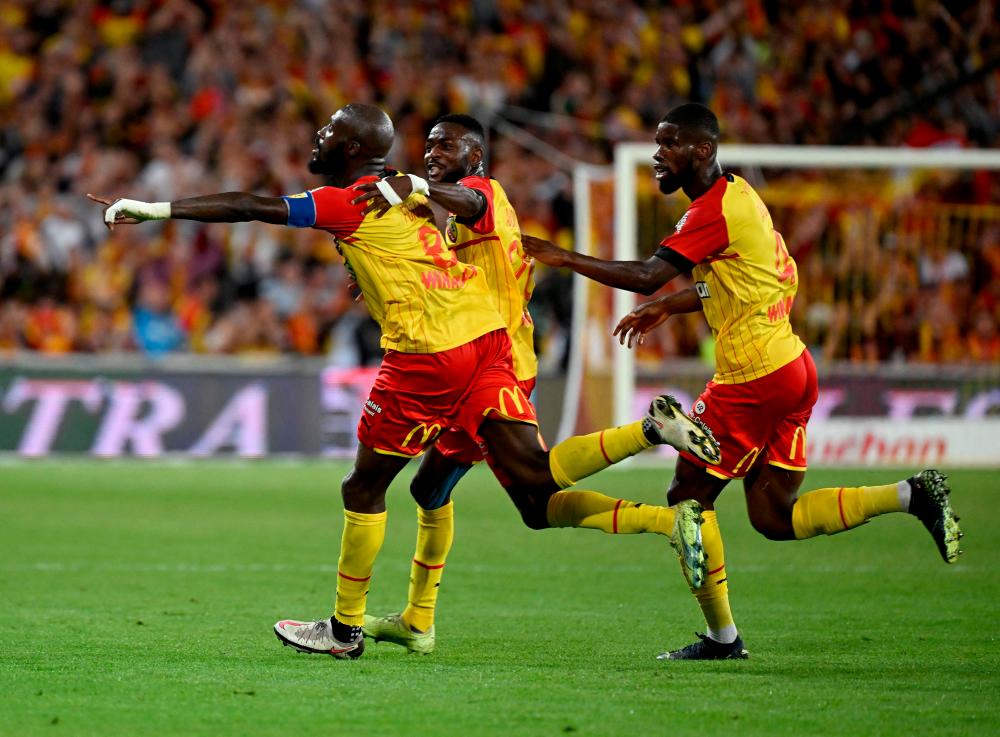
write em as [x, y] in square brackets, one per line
[597, 511]
[580, 456]
[828, 511]
[363, 536]
[435, 532]
[713, 596]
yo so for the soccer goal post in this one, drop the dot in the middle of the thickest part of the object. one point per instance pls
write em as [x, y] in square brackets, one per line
[844, 194]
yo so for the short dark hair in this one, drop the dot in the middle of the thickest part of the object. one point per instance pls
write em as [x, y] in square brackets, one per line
[694, 116]
[466, 121]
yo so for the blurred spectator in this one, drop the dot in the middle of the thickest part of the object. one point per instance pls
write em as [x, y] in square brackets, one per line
[195, 309]
[49, 327]
[162, 99]
[157, 330]
[984, 340]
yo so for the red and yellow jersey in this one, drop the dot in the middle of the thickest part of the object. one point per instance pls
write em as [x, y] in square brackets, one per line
[422, 297]
[744, 275]
[493, 245]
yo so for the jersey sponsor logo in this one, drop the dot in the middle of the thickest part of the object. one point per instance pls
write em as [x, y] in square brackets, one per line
[515, 396]
[442, 280]
[427, 433]
[699, 407]
[681, 222]
[702, 289]
[372, 409]
[780, 309]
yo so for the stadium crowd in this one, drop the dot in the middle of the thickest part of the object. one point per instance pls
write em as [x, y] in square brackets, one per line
[161, 99]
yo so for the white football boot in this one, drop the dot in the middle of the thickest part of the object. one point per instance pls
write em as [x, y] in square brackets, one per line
[325, 636]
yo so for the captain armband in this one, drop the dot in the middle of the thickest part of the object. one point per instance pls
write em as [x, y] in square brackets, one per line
[301, 210]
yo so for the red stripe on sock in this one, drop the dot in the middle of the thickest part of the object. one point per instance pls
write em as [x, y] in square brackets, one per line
[712, 573]
[428, 567]
[614, 517]
[604, 452]
[840, 505]
[352, 578]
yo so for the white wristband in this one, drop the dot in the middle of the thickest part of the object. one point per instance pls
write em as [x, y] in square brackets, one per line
[138, 210]
[420, 186]
[388, 192]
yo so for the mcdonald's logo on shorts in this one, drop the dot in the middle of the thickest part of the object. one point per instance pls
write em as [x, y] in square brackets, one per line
[798, 449]
[515, 396]
[427, 434]
[748, 459]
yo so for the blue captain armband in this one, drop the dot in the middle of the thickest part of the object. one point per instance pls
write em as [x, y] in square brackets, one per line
[301, 210]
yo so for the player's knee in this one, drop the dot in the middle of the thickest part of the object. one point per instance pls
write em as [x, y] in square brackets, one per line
[769, 531]
[349, 486]
[421, 492]
[359, 494]
[772, 525]
[534, 511]
[534, 519]
[430, 495]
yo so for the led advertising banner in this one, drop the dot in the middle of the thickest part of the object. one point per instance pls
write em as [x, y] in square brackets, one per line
[875, 419]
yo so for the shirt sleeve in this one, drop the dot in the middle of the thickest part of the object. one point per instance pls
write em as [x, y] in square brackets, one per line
[328, 208]
[700, 234]
[484, 223]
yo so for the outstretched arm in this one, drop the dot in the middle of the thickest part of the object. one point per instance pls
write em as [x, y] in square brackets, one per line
[644, 277]
[634, 326]
[228, 207]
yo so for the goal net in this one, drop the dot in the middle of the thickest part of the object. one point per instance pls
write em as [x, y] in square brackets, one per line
[898, 253]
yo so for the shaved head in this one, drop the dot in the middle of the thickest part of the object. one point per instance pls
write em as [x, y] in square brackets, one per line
[369, 126]
[353, 144]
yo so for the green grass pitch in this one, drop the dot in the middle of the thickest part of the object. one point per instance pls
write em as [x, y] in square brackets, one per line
[138, 599]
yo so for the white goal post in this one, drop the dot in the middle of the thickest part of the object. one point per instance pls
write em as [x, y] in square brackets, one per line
[630, 157]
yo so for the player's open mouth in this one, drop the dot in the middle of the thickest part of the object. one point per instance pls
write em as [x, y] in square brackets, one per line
[660, 171]
[433, 169]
